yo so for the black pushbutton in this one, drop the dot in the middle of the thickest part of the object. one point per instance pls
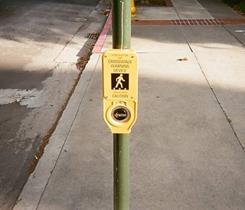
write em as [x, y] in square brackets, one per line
[120, 114]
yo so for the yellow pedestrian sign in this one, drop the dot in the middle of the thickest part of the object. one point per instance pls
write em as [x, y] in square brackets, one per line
[120, 89]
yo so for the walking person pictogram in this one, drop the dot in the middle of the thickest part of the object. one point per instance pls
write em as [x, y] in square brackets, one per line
[119, 81]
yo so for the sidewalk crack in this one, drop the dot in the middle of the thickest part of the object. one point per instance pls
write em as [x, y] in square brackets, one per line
[83, 25]
[219, 103]
[209, 85]
[233, 35]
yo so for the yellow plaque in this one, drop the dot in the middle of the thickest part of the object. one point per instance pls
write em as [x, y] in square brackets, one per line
[120, 89]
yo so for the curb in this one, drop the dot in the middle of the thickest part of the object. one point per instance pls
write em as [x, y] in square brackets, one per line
[101, 40]
[34, 188]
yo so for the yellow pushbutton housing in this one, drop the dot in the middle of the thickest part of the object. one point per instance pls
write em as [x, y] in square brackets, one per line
[120, 89]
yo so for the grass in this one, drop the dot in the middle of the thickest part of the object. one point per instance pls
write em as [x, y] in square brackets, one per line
[242, 6]
[236, 4]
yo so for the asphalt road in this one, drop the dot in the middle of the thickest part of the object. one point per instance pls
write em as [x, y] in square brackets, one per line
[33, 87]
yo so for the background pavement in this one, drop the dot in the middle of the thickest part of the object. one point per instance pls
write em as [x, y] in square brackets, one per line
[41, 43]
[187, 147]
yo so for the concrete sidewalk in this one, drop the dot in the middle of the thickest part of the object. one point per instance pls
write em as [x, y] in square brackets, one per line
[187, 147]
[41, 44]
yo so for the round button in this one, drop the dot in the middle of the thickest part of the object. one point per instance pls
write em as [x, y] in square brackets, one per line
[120, 114]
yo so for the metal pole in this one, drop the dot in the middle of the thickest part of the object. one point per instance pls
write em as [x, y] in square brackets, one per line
[121, 171]
[121, 26]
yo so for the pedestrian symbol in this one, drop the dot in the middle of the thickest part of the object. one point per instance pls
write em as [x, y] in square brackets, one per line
[119, 81]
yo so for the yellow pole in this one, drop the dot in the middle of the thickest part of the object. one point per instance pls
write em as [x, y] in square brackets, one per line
[133, 9]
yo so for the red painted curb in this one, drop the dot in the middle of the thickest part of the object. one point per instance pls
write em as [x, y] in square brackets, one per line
[101, 40]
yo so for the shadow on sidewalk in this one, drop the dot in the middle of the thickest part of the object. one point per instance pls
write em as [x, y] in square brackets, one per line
[28, 117]
[183, 152]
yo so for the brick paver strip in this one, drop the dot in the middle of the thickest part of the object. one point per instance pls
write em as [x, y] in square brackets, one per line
[191, 22]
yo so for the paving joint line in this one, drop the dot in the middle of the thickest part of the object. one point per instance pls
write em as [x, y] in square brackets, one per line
[210, 87]
[90, 79]
[72, 124]
[83, 25]
[219, 103]
[243, 44]
[216, 98]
